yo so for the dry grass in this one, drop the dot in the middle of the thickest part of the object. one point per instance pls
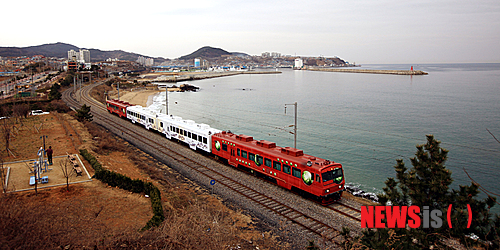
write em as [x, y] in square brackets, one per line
[93, 215]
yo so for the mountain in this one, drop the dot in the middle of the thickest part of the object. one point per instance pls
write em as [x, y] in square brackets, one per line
[205, 52]
[60, 50]
[48, 50]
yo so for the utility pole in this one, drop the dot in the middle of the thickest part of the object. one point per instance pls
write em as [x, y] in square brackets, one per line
[166, 99]
[294, 126]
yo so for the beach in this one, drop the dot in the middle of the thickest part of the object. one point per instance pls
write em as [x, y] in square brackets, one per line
[136, 96]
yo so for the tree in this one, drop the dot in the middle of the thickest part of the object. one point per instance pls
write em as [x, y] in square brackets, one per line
[54, 93]
[427, 184]
[67, 171]
[83, 114]
[3, 175]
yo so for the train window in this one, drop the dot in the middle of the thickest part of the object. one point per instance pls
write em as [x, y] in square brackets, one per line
[177, 130]
[243, 153]
[251, 156]
[200, 138]
[296, 172]
[182, 132]
[205, 140]
[238, 152]
[259, 160]
[224, 146]
[268, 162]
[277, 166]
[335, 175]
[194, 136]
[286, 168]
[189, 134]
[161, 124]
[317, 178]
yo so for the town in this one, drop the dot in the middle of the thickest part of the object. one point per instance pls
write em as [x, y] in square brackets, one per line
[23, 75]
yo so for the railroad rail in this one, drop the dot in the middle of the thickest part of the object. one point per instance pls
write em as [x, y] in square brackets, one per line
[273, 205]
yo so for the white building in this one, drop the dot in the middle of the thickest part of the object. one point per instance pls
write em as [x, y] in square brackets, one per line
[145, 61]
[73, 55]
[298, 63]
[84, 56]
[275, 54]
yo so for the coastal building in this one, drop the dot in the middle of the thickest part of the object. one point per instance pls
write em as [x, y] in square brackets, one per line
[197, 62]
[299, 63]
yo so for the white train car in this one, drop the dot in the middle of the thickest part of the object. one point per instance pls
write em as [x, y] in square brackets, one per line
[143, 116]
[197, 136]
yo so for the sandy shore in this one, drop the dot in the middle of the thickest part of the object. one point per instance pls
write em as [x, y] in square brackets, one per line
[136, 97]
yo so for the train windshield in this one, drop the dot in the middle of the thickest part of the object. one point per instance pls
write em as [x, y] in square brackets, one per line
[335, 175]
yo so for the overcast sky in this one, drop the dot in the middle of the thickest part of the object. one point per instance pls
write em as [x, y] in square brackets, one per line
[361, 31]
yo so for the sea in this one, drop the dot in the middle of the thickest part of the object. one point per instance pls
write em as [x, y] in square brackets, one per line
[363, 121]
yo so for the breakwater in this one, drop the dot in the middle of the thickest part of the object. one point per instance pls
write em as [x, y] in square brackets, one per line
[202, 75]
[372, 71]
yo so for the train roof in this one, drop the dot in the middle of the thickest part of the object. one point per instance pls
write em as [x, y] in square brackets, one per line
[188, 124]
[283, 153]
[119, 102]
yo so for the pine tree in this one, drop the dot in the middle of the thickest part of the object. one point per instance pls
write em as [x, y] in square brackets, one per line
[83, 114]
[427, 184]
[54, 93]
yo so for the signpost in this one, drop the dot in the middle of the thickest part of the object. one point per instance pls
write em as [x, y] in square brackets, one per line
[212, 183]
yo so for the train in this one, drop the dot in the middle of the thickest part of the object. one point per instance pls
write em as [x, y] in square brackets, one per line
[320, 179]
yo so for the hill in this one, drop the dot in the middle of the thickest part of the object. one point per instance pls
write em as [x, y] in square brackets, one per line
[205, 52]
[60, 50]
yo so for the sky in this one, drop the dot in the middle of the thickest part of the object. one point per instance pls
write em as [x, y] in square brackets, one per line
[360, 31]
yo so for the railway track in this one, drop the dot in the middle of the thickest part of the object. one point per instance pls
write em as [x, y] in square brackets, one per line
[142, 138]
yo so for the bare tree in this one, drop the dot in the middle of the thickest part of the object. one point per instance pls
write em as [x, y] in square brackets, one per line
[6, 131]
[3, 175]
[67, 170]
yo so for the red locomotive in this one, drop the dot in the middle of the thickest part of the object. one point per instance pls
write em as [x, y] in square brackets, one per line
[118, 107]
[287, 167]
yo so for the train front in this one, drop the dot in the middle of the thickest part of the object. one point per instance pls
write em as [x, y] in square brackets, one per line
[332, 182]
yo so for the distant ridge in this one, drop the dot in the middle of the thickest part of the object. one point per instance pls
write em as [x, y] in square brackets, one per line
[205, 52]
[60, 50]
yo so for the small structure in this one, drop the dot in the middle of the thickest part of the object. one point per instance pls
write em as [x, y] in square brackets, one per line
[39, 167]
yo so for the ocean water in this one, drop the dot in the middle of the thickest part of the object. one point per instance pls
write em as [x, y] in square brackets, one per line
[364, 121]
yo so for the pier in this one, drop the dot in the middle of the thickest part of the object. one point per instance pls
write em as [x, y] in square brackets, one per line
[372, 71]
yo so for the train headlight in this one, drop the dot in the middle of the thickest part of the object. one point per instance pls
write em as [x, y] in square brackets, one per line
[327, 191]
[340, 186]
[217, 145]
